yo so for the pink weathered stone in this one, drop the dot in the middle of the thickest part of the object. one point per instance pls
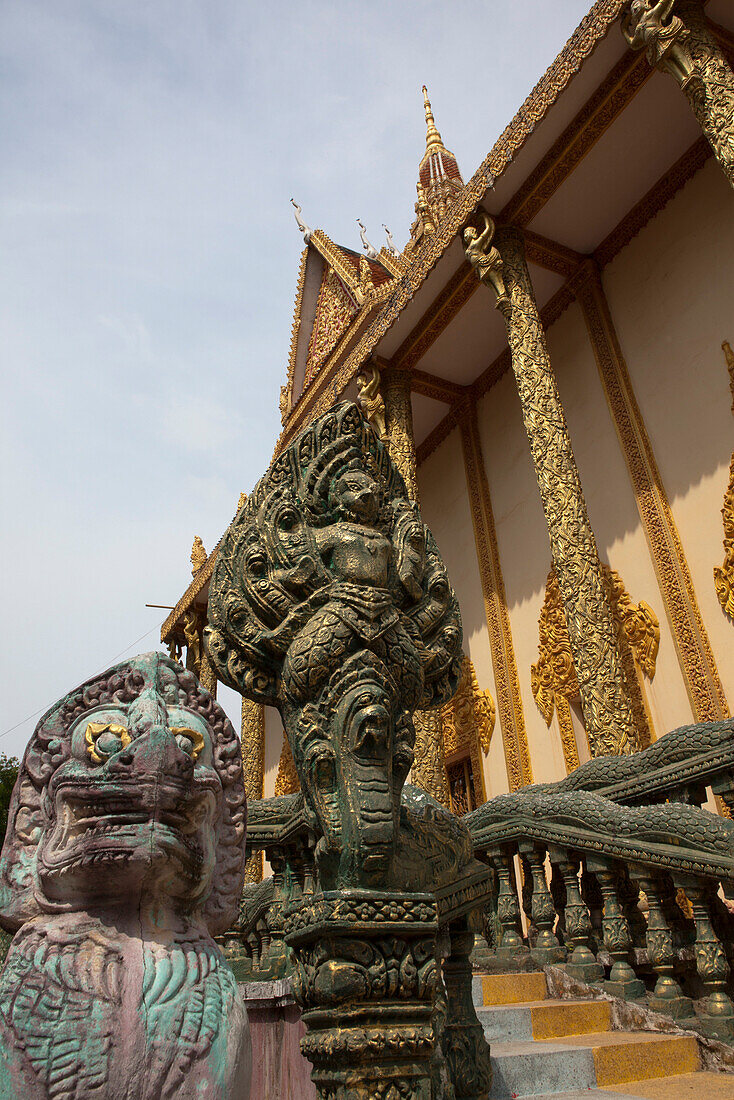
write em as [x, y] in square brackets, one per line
[124, 855]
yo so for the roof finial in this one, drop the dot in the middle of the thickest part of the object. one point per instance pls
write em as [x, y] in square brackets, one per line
[433, 138]
[307, 233]
[370, 251]
[390, 242]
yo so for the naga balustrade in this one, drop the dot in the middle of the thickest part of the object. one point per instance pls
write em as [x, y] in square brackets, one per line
[585, 856]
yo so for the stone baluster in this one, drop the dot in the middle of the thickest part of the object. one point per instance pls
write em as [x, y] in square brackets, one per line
[526, 898]
[581, 963]
[617, 934]
[667, 997]
[464, 1046]
[546, 949]
[711, 962]
[511, 943]
[629, 896]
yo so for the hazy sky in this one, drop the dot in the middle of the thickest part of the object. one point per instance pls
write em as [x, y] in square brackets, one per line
[149, 258]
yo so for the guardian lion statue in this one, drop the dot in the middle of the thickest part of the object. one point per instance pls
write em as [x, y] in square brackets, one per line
[124, 854]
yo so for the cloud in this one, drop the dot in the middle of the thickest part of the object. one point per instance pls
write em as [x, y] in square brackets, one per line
[151, 256]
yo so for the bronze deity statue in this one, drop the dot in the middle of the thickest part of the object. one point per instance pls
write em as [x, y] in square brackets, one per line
[124, 854]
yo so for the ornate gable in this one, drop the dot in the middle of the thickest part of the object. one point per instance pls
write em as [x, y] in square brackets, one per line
[335, 309]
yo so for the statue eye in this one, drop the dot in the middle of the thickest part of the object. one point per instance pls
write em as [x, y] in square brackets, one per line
[104, 739]
[257, 564]
[189, 741]
[288, 519]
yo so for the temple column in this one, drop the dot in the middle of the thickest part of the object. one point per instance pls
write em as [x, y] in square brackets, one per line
[683, 45]
[253, 764]
[207, 675]
[695, 657]
[605, 696]
[428, 771]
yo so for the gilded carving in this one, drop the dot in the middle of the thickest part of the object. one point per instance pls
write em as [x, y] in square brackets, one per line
[724, 574]
[484, 258]
[198, 555]
[370, 398]
[286, 781]
[468, 720]
[673, 574]
[507, 683]
[729, 356]
[334, 312]
[252, 738]
[553, 678]
[651, 26]
[684, 45]
[603, 683]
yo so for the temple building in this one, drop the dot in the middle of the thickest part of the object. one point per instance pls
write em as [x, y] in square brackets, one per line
[572, 455]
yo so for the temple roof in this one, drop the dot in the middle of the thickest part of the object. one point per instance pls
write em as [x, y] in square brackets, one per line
[600, 143]
[439, 181]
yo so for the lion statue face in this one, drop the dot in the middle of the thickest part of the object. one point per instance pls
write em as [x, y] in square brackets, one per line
[130, 788]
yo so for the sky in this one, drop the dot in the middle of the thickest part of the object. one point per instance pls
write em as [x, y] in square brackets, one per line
[148, 153]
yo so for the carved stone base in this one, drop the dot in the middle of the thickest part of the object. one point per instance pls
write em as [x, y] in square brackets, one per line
[583, 966]
[366, 977]
[718, 1020]
[632, 990]
[675, 1005]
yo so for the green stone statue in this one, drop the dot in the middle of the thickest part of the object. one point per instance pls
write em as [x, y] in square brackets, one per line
[329, 600]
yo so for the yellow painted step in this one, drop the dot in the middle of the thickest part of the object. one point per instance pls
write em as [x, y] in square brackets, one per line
[553, 1019]
[513, 989]
[621, 1056]
[687, 1086]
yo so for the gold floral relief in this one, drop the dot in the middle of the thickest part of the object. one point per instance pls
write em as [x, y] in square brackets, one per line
[334, 312]
[468, 720]
[286, 781]
[553, 678]
[724, 574]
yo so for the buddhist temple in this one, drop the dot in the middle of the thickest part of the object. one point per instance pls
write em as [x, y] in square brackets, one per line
[621, 194]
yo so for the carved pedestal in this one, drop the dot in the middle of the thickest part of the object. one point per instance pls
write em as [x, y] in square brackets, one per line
[366, 979]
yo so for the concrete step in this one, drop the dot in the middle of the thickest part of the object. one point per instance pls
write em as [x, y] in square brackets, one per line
[686, 1086]
[621, 1056]
[506, 989]
[549, 1019]
[525, 1068]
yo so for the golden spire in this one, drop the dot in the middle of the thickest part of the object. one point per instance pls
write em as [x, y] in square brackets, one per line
[433, 138]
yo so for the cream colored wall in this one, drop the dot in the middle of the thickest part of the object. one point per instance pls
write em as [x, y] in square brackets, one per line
[445, 508]
[524, 554]
[273, 748]
[610, 502]
[671, 293]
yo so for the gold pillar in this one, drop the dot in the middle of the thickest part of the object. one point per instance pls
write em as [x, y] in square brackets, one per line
[693, 649]
[253, 763]
[428, 771]
[207, 675]
[399, 413]
[683, 45]
[603, 688]
[507, 684]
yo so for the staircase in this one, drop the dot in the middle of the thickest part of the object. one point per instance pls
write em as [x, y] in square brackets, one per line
[566, 1050]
